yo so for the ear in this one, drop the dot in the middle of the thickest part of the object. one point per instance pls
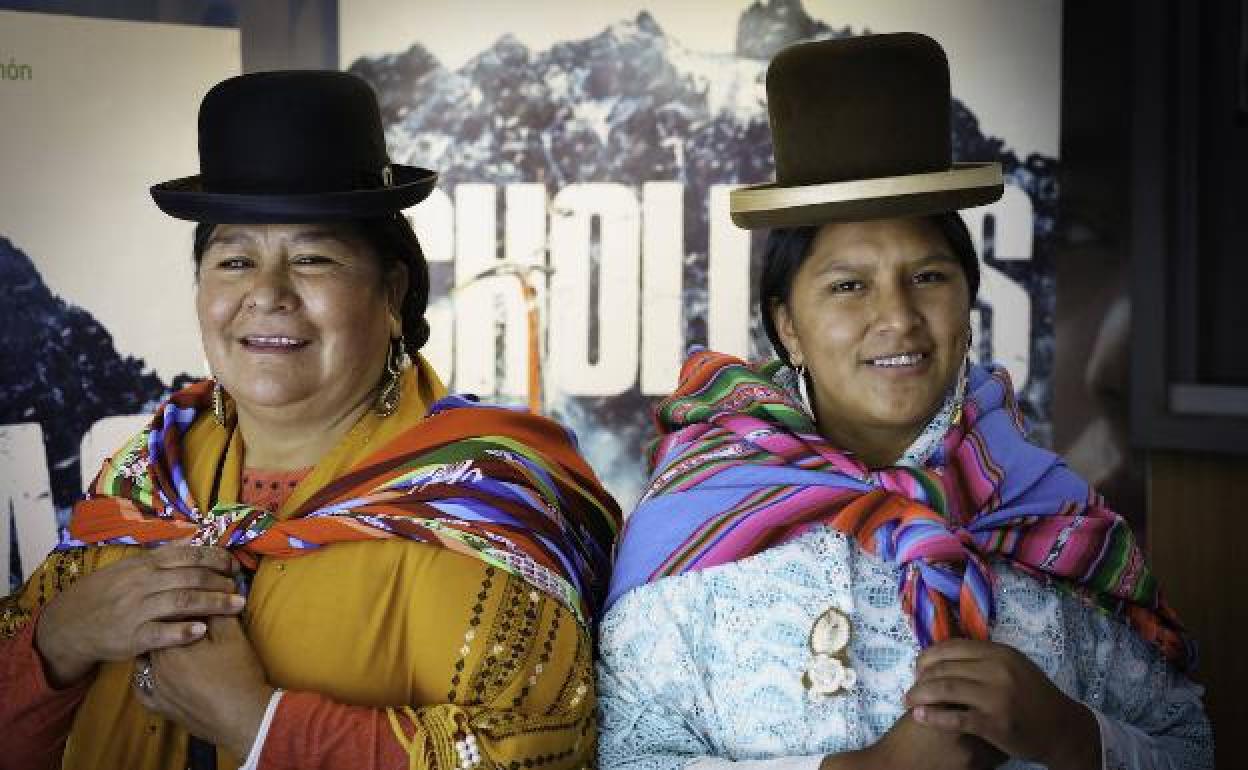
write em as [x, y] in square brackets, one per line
[396, 291]
[783, 320]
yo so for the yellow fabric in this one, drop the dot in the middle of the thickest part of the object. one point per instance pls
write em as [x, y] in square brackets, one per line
[392, 633]
[206, 441]
[443, 640]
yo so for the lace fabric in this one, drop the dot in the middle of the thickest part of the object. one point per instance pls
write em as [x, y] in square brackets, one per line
[710, 663]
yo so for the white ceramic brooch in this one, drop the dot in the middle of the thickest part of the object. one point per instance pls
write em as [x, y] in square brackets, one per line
[828, 671]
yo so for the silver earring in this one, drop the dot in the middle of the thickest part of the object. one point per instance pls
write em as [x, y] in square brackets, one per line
[396, 359]
[801, 389]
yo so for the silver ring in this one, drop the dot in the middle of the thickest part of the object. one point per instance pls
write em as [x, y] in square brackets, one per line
[143, 676]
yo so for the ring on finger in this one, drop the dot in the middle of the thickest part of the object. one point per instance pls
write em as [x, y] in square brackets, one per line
[143, 675]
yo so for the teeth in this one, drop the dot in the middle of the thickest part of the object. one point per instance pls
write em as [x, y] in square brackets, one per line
[904, 359]
[286, 341]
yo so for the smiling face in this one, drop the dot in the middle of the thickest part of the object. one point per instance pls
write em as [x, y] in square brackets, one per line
[879, 314]
[295, 319]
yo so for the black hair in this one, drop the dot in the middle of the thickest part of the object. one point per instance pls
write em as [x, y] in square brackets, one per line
[392, 239]
[788, 247]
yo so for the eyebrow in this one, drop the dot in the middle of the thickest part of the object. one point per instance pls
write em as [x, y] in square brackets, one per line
[231, 239]
[304, 237]
[853, 264]
[312, 236]
[938, 257]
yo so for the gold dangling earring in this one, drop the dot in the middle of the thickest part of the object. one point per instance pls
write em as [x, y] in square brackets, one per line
[218, 403]
[396, 359]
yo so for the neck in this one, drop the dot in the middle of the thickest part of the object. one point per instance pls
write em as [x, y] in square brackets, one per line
[283, 438]
[875, 447]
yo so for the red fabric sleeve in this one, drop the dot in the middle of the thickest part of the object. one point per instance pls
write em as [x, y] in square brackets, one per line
[36, 717]
[310, 730]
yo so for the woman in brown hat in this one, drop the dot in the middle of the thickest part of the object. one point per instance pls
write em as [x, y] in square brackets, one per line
[316, 559]
[852, 557]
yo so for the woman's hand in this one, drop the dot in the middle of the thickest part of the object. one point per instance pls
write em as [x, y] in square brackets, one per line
[215, 688]
[146, 602]
[995, 692]
[908, 744]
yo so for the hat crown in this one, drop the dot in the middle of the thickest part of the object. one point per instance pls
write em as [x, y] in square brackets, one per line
[292, 132]
[859, 108]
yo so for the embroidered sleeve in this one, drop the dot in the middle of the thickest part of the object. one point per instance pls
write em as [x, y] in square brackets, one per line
[1150, 714]
[647, 690]
[493, 720]
[37, 718]
[57, 573]
[1160, 724]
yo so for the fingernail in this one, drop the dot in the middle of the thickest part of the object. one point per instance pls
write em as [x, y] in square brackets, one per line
[198, 628]
[920, 713]
[237, 602]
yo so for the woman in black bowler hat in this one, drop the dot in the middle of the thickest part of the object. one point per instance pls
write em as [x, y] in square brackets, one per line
[316, 558]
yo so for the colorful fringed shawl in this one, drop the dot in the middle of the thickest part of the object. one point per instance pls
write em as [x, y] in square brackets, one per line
[740, 468]
[501, 485]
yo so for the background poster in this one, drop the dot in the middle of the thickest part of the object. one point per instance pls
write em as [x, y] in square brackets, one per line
[579, 240]
[96, 294]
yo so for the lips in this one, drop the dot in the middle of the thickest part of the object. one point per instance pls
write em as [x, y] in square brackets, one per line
[272, 342]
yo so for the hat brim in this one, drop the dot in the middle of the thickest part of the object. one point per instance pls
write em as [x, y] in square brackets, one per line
[186, 199]
[963, 186]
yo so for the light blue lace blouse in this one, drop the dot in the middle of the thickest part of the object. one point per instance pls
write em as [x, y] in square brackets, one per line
[705, 668]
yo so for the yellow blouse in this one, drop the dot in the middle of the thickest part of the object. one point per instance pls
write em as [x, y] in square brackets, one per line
[392, 624]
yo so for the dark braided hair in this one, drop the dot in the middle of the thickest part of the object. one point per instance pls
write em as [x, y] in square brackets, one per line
[394, 242]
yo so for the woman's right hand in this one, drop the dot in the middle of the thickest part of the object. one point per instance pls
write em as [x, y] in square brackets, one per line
[910, 744]
[146, 602]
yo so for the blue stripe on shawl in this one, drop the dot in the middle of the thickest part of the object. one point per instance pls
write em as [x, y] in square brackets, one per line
[981, 589]
[660, 524]
[946, 582]
[913, 533]
[885, 545]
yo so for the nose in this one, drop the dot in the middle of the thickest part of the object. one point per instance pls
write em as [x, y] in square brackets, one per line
[895, 309]
[271, 290]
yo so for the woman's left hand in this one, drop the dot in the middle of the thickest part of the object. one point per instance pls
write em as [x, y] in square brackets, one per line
[995, 692]
[215, 687]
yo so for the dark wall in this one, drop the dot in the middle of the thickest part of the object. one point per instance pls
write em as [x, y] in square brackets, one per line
[211, 13]
[276, 34]
[1221, 138]
[1093, 258]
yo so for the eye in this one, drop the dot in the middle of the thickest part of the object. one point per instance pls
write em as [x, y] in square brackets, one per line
[233, 263]
[931, 276]
[311, 259]
[845, 287]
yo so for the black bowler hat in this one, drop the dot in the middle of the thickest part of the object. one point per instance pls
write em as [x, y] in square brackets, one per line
[861, 130]
[289, 148]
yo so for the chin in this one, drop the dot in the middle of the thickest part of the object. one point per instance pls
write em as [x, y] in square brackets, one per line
[907, 414]
[269, 395]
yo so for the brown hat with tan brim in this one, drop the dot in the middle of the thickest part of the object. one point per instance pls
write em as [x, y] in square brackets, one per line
[861, 130]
